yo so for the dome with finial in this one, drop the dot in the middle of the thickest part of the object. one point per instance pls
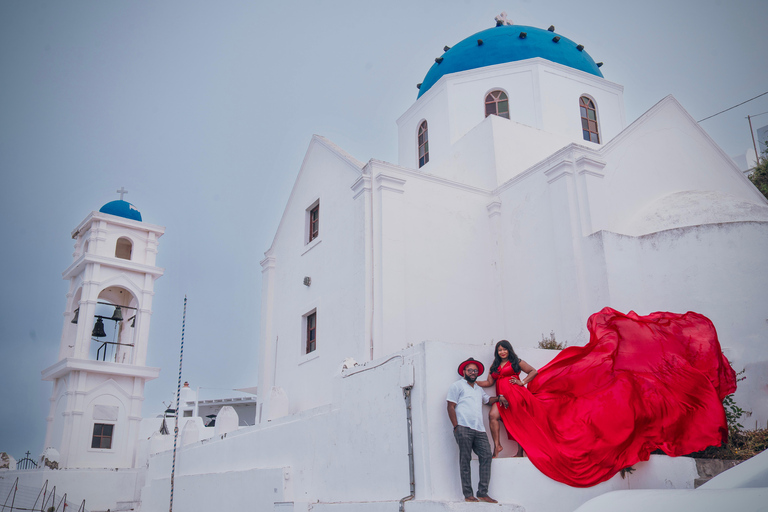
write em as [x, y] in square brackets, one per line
[120, 208]
[509, 43]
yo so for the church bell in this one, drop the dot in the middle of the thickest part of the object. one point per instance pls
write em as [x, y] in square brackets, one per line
[98, 329]
[118, 314]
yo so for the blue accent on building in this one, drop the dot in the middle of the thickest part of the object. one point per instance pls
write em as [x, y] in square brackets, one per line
[504, 44]
[121, 209]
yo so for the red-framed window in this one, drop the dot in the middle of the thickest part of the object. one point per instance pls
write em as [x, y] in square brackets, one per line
[497, 104]
[102, 436]
[314, 222]
[423, 144]
[589, 129]
[311, 332]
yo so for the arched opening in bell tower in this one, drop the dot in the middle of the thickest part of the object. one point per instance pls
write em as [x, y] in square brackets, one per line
[123, 248]
[114, 328]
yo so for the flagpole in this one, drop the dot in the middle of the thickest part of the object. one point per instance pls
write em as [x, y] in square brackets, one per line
[178, 393]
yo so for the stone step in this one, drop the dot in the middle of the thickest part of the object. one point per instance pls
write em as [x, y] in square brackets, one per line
[124, 506]
[394, 506]
[710, 468]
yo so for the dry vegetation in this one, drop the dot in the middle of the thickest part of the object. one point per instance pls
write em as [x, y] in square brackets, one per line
[551, 343]
[740, 446]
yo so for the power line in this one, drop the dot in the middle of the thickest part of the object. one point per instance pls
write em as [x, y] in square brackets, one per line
[730, 108]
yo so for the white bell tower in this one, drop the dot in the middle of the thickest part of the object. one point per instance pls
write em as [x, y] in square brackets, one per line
[98, 380]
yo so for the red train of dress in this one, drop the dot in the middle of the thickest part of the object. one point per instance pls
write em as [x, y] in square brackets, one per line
[641, 383]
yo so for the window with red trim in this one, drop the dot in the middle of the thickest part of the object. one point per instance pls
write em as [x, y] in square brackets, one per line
[311, 335]
[589, 129]
[423, 144]
[497, 104]
[102, 436]
[314, 222]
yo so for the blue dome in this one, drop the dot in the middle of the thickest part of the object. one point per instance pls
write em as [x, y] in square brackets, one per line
[122, 209]
[504, 44]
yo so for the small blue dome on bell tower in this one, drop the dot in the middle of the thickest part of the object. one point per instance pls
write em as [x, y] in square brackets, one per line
[120, 208]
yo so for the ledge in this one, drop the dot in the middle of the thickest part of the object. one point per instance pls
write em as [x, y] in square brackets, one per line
[71, 364]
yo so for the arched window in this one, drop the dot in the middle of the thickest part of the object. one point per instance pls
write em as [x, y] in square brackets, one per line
[589, 120]
[497, 103]
[423, 144]
[123, 248]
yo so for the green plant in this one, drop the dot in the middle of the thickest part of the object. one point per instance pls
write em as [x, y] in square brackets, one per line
[551, 343]
[759, 176]
[733, 412]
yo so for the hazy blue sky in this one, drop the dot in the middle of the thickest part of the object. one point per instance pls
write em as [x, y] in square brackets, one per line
[203, 111]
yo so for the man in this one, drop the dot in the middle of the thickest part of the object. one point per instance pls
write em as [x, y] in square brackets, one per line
[465, 410]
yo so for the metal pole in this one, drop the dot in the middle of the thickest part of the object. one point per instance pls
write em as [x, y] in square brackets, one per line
[15, 488]
[407, 396]
[197, 402]
[178, 393]
[752, 132]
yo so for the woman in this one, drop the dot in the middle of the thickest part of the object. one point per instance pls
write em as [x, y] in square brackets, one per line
[505, 373]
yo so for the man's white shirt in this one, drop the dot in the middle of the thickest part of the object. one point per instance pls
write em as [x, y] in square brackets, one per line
[469, 402]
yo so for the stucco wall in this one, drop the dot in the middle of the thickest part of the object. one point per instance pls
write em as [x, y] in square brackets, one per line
[354, 450]
[334, 262]
[542, 95]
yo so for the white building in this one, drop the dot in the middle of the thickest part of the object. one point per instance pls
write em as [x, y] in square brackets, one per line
[495, 226]
[513, 227]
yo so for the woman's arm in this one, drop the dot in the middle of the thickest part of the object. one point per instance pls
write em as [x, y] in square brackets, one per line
[529, 370]
[486, 383]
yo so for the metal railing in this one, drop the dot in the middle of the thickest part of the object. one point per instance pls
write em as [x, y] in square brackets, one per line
[26, 462]
[26, 498]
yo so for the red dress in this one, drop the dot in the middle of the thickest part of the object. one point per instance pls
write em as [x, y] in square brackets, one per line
[641, 383]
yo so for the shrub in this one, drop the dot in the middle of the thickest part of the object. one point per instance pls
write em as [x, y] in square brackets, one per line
[551, 343]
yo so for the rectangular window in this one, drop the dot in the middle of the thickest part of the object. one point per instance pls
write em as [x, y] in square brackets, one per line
[102, 436]
[311, 334]
[314, 222]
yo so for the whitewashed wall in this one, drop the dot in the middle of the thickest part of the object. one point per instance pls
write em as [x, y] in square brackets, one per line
[102, 489]
[543, 95]
[334, 262]
[354, 450]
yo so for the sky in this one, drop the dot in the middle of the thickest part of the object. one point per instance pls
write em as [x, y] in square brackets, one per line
[203, 111]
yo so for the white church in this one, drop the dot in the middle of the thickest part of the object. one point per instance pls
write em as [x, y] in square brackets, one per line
[522, 202]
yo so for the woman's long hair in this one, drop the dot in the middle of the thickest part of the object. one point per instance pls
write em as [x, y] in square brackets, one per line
[513, 359]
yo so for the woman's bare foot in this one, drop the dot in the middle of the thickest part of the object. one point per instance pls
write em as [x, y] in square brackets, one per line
[497, 450]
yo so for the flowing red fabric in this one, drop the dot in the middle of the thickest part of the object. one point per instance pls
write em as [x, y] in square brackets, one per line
[641, 383]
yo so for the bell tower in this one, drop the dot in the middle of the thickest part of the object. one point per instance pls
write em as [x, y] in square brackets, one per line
[99, 378]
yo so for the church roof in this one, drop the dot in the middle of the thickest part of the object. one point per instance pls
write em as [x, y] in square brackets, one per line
[509, 43]
[123, 209]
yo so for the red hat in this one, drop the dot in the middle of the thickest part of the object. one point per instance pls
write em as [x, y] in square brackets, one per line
[471, 361]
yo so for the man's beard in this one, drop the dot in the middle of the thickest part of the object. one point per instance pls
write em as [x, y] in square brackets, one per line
[470, 378]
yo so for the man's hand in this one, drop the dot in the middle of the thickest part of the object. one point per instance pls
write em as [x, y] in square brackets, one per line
[504, 401]
[452, 414]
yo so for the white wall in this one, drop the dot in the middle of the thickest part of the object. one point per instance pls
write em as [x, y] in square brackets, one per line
[354, 450]
[434, 263]
[335, 263]
[543, 95]
[663, 152]
[102, 489]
